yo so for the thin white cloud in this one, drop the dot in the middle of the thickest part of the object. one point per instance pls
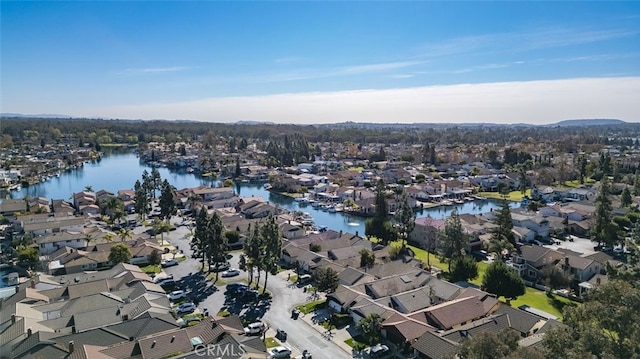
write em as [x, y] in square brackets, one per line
[309, 74]
[521, 41]
[401, 76]
[504, 102]
[364, 69]
[287, 60]
[152, 70]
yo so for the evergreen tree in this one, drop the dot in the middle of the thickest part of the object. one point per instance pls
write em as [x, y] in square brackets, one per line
[238, 171]
[200, 240]
[272, 248]
[625, 198]
[636, 183]
[502, 238]
[502, 280]
[156, 181]
[167, 203]
[141, 200]
[379, 225]
[602, 230]
[148, 186]
[464, 268]
[327, 279]
[252, 251]
[452, 239]
[405, 219]
[217, 247]
[583, 168]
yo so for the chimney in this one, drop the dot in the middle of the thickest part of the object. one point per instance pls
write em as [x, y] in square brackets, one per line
[13, 319]
[341, 233]
[29, 332]
[357, 234]
[33, 283]
[71, 347]
[173, 338]
[597, 282]
[566, 261]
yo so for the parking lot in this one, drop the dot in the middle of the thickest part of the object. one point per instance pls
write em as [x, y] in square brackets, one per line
[274, 310]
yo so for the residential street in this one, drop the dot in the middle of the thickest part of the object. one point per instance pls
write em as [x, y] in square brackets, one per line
[274, 311]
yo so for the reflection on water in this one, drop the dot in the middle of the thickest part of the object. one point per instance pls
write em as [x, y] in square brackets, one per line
[120, 169]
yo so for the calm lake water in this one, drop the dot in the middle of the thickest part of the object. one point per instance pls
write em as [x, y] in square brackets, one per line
[119, 169]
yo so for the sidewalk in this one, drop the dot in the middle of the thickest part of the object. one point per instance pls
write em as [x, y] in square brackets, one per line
[338, 336]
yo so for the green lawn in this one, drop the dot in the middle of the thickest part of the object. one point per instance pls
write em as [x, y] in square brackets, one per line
[576, 183]
[434, 261]
[482, 267]
[538, 299]
[515, 196]
[533, 297]
[152, 268]
[355, 343]
[271, 343]
[310, 307]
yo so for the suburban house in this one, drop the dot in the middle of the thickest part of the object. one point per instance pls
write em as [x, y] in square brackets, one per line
[51, 242]
[54, 225]
[9, 207]
[425, 232]
[212, 194]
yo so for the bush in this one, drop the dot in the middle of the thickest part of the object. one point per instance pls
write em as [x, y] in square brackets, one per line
[223, 313]
[232, 236]
[315, 247]
[28, 255]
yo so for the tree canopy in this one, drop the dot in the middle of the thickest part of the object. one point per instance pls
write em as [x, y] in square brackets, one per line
[120, 253]
[502, 280]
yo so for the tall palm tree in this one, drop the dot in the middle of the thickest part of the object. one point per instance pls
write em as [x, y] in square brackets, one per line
[125, 233]
[160, 226]
[108, 237]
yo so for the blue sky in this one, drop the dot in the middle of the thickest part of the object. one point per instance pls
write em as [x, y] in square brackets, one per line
[312, 62]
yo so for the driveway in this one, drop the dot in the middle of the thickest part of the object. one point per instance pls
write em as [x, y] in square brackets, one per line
[275, 311]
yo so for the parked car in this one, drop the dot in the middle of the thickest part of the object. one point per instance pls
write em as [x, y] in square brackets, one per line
[378, 350]
[177, 294]
[280, 352]
[231, 272]
[159, 280]
[168, 283]
[186, 308]
[219, 267]
[281, 335]
[254, 328]
[168, 263]
[305, 278]
[237, 287]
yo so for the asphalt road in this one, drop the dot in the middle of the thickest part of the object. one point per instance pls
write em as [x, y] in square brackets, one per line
[275, 311]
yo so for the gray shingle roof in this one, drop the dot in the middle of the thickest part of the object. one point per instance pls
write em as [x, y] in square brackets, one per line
[520, 320]
[434, 346]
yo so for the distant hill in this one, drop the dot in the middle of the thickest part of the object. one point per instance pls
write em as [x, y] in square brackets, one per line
[252, 123]
[587, 122]
[44, 115]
